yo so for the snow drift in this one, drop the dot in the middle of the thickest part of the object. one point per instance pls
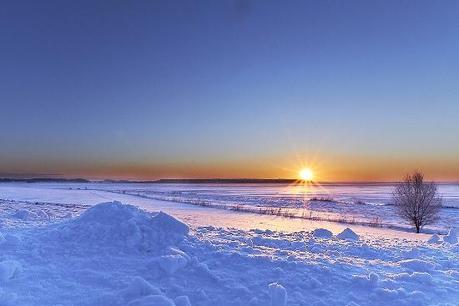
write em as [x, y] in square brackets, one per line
[124, 227]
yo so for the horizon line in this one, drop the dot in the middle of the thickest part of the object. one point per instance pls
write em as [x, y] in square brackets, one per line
[194, 180]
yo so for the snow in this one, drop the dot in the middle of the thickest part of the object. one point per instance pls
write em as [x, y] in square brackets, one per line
[451, 237]
[417, 265]
[120, 254]
[348, 234]
[150, 300]
[124, 227]
[60, 202]
[367, 204]
[171, 263]
[8, 269]
[182, 300]
[139, 288]
[434, 239]
[352, 205]
[278, 294]
[322, 233]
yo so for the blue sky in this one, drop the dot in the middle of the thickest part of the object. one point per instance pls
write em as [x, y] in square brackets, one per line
[229, 88]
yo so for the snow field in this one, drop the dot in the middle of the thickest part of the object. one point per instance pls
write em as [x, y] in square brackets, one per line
[116, 254]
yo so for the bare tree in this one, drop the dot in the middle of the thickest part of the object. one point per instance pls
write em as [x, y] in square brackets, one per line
[417, 201]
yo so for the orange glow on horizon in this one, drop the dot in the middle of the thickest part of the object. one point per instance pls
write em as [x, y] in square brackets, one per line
[325, 166]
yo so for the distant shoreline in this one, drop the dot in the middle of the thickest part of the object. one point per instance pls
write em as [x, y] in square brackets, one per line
[192, 181]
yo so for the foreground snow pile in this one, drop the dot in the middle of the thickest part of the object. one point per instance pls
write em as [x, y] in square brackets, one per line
[116, 254]
[124, 227]
[101, 250]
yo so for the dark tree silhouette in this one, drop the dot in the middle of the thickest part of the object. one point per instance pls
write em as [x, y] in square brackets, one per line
[417, 201]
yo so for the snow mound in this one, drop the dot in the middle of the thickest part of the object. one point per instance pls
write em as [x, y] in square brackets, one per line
[348, 234]
[124, 227]
[451, 237]
[322, 233]
[434, 239]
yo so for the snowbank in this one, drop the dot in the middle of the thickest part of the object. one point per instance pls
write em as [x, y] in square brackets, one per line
[124, 227]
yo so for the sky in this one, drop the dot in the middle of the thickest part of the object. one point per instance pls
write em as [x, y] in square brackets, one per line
[356, 90]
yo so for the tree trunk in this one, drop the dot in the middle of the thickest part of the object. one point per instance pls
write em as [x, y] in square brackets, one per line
[417, 229]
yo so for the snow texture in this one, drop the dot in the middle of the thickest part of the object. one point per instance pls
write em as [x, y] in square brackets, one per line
[278, 294]
[9, 269]
[116, 254]
[451, 237]
[434, 239]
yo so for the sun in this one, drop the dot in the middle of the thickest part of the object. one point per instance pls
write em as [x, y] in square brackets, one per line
[306, 174]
